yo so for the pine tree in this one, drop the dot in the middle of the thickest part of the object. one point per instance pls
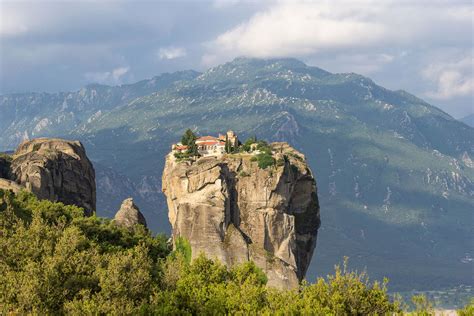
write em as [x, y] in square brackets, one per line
[188, 138]
[227, 144]
[193, 149]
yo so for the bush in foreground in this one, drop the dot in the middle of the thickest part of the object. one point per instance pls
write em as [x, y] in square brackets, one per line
[56, 261]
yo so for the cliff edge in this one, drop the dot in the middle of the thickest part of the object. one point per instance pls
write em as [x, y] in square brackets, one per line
[231, 209]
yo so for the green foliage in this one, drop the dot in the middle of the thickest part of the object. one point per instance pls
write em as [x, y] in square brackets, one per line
[56, 261]
[227, 146]
[296, 156]
[263, 146]
[244, 174]
[350, 293]
[468, 310]
[181, 156]
[189, 139]
[183, 247]
[207, 287]
[265, 157]
[423, 307]
[11, 209]
[230, 148]
[192, 150]
[344, 293]
[6, 157]
[247, 145]
[265, 160]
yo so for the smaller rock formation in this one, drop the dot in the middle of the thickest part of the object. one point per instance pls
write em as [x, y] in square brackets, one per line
[129, 215]
[57, 170]
[9, 185]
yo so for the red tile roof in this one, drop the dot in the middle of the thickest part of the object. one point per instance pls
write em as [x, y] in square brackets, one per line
[211, 143]
[206, 138]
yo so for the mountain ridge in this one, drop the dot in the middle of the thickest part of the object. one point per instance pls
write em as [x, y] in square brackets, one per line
[468, 120]
[69, 109]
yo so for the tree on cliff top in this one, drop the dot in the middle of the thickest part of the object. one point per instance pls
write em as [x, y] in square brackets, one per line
[189, 139]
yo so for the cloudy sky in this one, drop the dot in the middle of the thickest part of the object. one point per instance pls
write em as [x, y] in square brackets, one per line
[424, 47]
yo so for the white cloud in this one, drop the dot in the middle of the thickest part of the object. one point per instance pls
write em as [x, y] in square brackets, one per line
[308, 28]
[12, 24]
[451, 79]
[171, 52]
[358, 62]
[107, 77]
[297, 29]
[117, 73]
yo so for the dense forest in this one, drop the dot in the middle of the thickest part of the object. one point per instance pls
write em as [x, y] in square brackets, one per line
[57, 261]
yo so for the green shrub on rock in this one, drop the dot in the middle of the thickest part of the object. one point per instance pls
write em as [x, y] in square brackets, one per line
[265, 160]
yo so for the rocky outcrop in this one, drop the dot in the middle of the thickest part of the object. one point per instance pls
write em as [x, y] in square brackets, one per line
[9, 185]
[57, 170]
[129, 215]
[230, 209]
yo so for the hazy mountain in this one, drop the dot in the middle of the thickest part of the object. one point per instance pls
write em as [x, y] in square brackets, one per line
[29, 115]
[395, 175]
[469, 120]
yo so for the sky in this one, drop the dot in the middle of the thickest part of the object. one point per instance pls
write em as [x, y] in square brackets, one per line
[423, 47]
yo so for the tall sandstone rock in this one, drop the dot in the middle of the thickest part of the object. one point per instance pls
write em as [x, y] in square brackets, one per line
[57, 170]
[230, 209]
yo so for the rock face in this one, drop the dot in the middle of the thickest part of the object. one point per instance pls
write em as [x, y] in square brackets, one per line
[129, 215]
[57, 170]
[9, 185]
[232, 210]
